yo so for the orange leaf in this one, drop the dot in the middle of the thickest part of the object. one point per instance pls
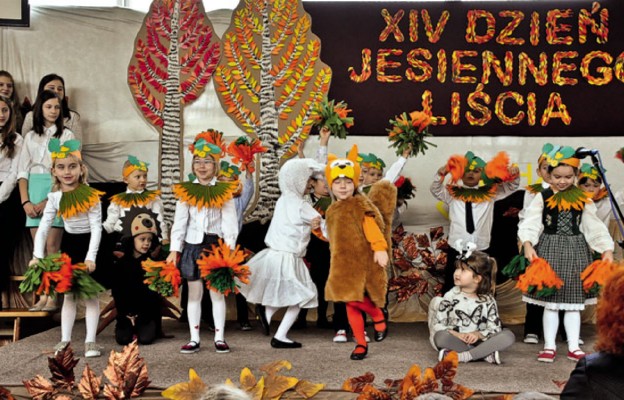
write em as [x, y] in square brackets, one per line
[191, 390]
[356, 384]
[456, 165]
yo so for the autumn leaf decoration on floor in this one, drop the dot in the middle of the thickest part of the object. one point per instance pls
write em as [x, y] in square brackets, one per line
[414, 384]
[126, 373]
[270, 386]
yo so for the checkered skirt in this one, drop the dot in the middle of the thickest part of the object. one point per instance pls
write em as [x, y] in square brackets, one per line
[568, 255]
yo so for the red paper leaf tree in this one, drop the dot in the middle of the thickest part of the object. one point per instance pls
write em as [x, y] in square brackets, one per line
[176, 53]
[269, 80]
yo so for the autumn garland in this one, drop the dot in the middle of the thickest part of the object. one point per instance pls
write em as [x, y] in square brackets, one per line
[242, 151]
[127, 200]
[220, 266]
[333, 116]
[162, 277]
[410, 130]
[539, 279]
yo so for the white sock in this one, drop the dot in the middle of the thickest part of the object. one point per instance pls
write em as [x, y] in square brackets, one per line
[193, 308]
[289, 319]
[92, 317]
[572, 325]
[218, 314]
[464, 356]
[68, 316]
[269, 312]
[551, 325]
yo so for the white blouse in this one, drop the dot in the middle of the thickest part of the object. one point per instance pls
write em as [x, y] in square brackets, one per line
[35, 157]
[8, 170]
[115, 213]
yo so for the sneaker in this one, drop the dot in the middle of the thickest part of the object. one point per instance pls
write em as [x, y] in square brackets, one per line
[221, 346]
[442, 353]
[493, 358]
[547, 355]
[190, 348]
[92, 350]
[60, 346]
[341, 336]
[245, 326]
[576, 355]
[531, 338]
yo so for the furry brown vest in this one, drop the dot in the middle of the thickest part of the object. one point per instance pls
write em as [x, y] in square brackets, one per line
[353, 273]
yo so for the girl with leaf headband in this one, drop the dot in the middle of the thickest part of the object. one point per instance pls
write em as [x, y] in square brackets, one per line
[205, 211]
[80, 208]
[33, 175]
[562, 224]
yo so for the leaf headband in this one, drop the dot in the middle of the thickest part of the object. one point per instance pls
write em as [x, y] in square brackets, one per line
[589, 171]
[135, 165]
[60, 150]
[203, 149]
[228, 170]
[562, 155]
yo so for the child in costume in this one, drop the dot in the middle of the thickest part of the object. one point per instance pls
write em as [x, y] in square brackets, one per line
[205, 211]
[80, 208]
[562, 224]
[466, 319]
[591, 182]
[471, 206]
[138, 307]
[242, 197]
[34, 178]
[279, 277]
[11, 215]
[534, 313]
[372, 169]
[358, 228]
[135, 176]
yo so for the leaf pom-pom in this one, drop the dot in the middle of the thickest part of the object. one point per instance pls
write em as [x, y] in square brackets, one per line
[334, 116]
[456, 166]
[221, 266]
[162, 277]
[516, 266]
[596, 275]
[243, 151]
[410, 131]
[539, 279]
[498, 168]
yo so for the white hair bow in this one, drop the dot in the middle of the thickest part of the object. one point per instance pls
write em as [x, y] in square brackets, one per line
[465, 248]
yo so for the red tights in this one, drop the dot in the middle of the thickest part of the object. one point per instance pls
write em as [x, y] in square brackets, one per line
[354, 314]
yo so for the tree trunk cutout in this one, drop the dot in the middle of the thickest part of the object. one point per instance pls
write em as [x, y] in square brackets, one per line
[176, 53]
[269, 80]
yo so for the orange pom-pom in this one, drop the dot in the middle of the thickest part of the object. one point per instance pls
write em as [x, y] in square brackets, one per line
[596, 275]
[456, 166]
[498, 168]
[539, 279]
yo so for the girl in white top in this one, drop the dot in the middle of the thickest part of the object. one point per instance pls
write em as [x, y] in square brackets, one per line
[11, 217]
[33, 175]
[83, 229]
[71, 119]
[205, 211]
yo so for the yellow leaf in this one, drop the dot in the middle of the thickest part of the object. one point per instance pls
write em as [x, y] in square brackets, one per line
[191, 390]
[257, 391]
[308, 389]
[276, 385]
[247, 379]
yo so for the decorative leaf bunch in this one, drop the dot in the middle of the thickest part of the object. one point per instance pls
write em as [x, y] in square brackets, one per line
[333, 116]
[50, 275]
[516, 266]
[221, 265]
[270, 386]
[83, 285]
[126, 372]
[596, 275]
[410, 130]
[539, 279]
[243, 150]
[162, 277]
[5, 394]
[414, 384]
[498, 168]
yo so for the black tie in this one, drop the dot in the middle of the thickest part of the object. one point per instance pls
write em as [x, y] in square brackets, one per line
[469, 220]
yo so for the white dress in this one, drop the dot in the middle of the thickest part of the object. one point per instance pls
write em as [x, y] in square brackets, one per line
[279, 277]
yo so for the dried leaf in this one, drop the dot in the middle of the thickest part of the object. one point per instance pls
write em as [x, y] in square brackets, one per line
[446, 370]
[257, 392]
[428, 383]
[356, 384]
[275, 367]
[442, 244]
[89, 385]
[459, 392]
[112, 392]
[191, 390]
[560, 384]
[422, 240]
[5, 394]
[369, 392]
[63, 397]
[247, 379]
[428, 258]
[393, 383]
[402, 264]
[436, 233]
[308, 389]
[409, 244]
[62, 368]
[407, 390]
[407, 286]
[128, 371]
[39, 388]
[276, 385]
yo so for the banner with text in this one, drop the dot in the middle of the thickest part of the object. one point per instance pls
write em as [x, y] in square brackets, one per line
[522, 68]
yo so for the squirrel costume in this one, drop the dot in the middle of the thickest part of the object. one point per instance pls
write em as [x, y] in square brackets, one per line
[358, 228]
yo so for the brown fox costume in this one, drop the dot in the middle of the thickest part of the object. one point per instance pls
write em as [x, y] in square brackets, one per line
[358, 228]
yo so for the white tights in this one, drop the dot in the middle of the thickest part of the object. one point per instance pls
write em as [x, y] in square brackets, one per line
[571, 323]
[68, 317]
[290, 316]
[193, 309]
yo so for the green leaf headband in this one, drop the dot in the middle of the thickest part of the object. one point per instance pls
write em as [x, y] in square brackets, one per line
[228, 170]
[589, 171]
[473, 161]
[202, 149]
[562, 155]
[61, 150]
[372, 161]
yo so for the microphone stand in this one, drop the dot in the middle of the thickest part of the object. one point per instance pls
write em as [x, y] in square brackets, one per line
[615, 208]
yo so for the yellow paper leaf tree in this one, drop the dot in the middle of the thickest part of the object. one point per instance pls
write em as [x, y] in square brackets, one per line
[269, 80]
[175, 54]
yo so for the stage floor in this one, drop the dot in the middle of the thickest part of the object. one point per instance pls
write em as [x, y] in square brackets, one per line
[320, 360]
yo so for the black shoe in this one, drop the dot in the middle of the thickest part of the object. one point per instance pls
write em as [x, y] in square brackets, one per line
[381, 335]
[359, 355]
[263, 321]
[278, 344]
[245, 326]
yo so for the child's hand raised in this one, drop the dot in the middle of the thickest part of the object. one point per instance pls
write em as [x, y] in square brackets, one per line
[381, 258]
[514, 170]
[408, 151]
[90, 265]
[324, 135]
[443, 171]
